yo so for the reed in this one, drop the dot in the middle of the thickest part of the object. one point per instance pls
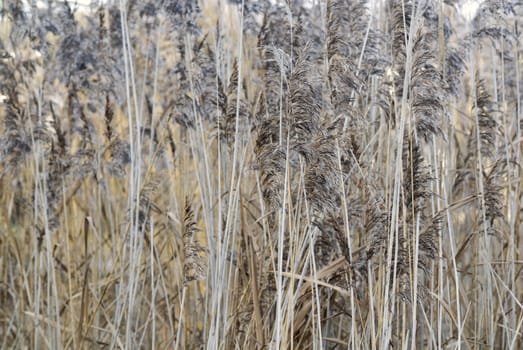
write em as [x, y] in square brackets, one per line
[261, 174]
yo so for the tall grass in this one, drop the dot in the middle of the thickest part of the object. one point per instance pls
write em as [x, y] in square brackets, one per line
[261, 174]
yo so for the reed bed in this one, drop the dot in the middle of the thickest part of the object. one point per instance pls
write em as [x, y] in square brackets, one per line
[261, 175]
